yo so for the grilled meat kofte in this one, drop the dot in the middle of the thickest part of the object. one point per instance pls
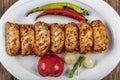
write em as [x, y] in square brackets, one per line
[27, 39]
[100, 36]
[71, 37]
[85, 37]
[42, 38]
[57, 38]
[12, 38]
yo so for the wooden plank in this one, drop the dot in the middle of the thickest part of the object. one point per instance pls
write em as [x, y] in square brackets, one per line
[4, 5]
[5, 75]
[115, 4]
[114, 75]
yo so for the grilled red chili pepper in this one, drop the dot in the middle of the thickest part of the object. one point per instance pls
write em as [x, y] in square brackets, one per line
[63, 12]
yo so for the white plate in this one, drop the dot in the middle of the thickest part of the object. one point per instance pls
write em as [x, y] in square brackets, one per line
[25, 68]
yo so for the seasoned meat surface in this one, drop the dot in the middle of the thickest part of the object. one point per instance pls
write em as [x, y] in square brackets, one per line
[71, 37]
[57, 38]
[100, 36]
[85, 37]
[27, 39]
[42, 38]
[12, 38]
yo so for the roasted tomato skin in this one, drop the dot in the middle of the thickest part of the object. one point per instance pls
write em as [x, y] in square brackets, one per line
[50, 65]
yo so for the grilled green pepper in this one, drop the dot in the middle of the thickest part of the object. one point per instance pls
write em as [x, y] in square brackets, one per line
[60, 5]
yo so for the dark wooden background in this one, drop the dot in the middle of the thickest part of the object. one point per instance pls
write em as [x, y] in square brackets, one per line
[5, 75]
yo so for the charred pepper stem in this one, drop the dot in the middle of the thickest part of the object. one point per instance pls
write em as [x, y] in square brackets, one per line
[63, 12]
[60, 5]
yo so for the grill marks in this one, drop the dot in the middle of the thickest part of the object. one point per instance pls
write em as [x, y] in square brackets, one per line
[100, 36]
[40, 38]
[57, 38]
[12, 38]
[85, 37]
[71, 37]
[27, 39]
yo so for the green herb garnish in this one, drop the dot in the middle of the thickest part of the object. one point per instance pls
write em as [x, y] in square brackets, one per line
[76, 66]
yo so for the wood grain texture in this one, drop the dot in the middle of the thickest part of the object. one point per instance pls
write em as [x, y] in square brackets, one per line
[5, 75]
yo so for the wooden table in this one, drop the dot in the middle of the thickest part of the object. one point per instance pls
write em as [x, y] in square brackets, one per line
[5, 75]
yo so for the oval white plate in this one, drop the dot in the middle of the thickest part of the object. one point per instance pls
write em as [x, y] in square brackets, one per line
[25, 68]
